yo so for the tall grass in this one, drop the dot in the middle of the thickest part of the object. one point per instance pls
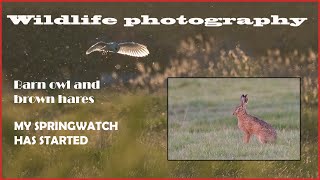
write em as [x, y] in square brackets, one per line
[138, 149]
[198, 56]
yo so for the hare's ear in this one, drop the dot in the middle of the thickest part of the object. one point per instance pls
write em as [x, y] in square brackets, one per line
[246, 99]
[242, 99]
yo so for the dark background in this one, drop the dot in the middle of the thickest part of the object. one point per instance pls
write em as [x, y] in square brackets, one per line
[58, 52]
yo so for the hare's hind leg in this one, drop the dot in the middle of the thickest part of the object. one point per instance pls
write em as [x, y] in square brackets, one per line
[246, 137]
[262, 139]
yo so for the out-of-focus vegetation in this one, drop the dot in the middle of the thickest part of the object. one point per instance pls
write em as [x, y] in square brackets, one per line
[139, 149]
[196, 57]
[201, 125]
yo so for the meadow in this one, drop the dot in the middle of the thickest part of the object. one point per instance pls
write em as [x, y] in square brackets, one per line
[201, 125]
[138, 149]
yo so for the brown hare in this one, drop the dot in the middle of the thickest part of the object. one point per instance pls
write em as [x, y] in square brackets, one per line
[251, 125]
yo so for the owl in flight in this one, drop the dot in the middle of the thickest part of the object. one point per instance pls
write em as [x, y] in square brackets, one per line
[126, 48]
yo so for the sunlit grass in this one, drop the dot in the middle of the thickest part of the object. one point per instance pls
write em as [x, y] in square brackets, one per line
[138, 149]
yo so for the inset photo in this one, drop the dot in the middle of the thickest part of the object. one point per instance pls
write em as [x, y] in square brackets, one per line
[234, 119]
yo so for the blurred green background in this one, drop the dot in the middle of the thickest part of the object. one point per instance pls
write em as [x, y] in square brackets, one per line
[202, 127]
[135, 94]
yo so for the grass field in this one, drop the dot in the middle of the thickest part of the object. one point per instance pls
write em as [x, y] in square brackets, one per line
[201, 125]
[138, 149]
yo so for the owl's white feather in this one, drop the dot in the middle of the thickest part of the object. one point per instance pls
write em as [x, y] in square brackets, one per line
[133, 49]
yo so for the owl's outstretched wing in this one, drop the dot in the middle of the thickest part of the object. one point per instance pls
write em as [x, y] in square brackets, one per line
[133, 49]
[99, 46]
